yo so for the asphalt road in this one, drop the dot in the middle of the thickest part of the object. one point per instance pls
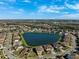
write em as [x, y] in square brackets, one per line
[7, 53]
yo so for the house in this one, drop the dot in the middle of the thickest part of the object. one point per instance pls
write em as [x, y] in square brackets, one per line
[48, 48]
[39, 50]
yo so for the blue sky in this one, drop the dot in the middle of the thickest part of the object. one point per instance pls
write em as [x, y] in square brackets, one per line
[39, 9]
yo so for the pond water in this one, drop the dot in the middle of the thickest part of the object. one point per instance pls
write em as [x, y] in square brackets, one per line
[37, 39]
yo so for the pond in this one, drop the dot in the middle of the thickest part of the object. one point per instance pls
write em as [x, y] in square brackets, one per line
[37, 39]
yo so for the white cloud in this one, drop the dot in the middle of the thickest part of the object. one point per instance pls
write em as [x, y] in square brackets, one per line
[12, 0]
[56, 7]
[11, 7]
[75, 6]
[65, 13]
[2, 3]
[27, 1]
[52, 9]
[19, 11]
[69, 16]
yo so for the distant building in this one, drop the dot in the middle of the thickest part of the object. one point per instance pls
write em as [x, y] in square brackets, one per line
[16, 44]
[75, 56]
[67, 40]
[68, 56]
[2, 37]
[39, 50]
[60, 57]
[48, 48]
[24, 52]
